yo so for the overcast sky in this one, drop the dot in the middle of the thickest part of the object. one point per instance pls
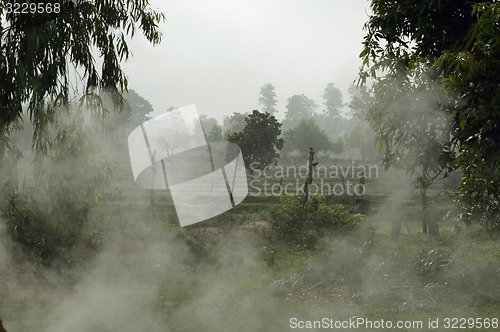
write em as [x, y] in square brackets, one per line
[217, 54]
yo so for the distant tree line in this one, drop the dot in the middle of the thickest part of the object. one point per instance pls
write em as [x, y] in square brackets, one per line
[330, 131]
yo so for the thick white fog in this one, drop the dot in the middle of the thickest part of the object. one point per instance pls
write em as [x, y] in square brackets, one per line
[217, 54]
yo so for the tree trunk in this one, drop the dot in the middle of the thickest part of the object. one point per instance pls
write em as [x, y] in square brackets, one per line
[425, 214]
[309, 179]
[362, 142]
[2, 142]
[344, 191]
[395, 229]
[432, 218]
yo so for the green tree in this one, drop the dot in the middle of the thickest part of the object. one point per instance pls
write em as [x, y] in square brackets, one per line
[298, 107]
[51, 218]
[39, 56]
[259, 140]
[215, 135]
[419, 139]
[338, 145]
[268, 98]
[136, 108]
[115, 125]
[305, 225]
[37, 64]
[332, 99]
[456, 44]
[360, 135]
[211, 128]
[360, 139]
[361, 99]
[307, 134]
[234, 124]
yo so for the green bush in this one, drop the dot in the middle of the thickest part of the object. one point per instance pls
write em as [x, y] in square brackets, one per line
[304, 225]
[50, 218]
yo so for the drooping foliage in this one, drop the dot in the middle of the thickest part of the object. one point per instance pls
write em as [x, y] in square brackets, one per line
[41, 54]
[46, 61]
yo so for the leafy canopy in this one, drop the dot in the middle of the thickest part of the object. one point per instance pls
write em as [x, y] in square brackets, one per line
[234, 123]
[259, 140]
[211, 128]
[307, 134]
[455, 44]
[298, 107]
[331, 120]
[332, 98]
[39, 54]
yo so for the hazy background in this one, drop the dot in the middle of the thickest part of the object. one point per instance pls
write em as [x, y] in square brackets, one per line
[217, 54]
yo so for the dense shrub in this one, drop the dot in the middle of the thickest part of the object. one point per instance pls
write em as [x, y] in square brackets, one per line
[304, 225]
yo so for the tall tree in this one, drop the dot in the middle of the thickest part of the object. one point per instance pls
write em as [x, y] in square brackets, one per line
[361, 99]
[259, 140]
[211, 128]
[332, 99]
[420, 130]
[297, 108]
[457, 44]
[268, 98]
[39, 52]
[361, 138]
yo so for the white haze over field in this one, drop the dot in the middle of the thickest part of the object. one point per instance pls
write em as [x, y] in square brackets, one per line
[149, 276]
[218, 54]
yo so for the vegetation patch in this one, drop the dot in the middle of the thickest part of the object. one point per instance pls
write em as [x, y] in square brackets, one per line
[304, 225]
